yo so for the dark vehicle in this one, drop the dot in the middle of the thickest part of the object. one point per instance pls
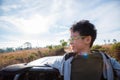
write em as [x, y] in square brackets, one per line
[35, 70]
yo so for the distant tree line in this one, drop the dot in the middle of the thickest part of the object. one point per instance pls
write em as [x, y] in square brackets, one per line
[25, 46]
[109, 41]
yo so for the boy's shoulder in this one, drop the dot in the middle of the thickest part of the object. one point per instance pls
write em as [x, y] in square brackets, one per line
[69, 54]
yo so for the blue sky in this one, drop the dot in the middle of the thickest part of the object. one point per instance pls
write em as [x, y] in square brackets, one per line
[46, 22]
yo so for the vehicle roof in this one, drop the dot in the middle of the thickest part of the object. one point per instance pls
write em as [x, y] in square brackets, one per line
[45, 60]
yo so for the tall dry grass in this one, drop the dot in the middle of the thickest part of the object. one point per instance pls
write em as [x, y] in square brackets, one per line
[25, 56]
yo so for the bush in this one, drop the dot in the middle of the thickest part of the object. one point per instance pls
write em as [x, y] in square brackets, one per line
[116, 50]
[96, 47]
[116, 46]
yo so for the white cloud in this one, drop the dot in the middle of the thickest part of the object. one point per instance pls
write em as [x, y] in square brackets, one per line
[35, 24]
[9, 7]
[105, 16]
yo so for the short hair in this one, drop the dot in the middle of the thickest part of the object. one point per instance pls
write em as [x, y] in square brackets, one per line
[85, 28]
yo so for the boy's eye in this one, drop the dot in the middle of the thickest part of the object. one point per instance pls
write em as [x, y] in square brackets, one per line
[75, 38]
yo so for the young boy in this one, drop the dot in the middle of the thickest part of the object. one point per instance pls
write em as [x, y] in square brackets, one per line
[82, 64]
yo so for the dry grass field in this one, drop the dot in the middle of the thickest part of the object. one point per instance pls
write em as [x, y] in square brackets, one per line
[24, 56]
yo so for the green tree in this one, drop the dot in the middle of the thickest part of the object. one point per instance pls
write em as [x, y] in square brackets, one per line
[105, 41]
[2, 51]
[9, 50]
[50, 46]
[63, 43]
[114, 41]
[27, 45]
[108, 41]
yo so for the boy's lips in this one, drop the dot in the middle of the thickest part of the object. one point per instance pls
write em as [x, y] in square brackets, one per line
[72, 47]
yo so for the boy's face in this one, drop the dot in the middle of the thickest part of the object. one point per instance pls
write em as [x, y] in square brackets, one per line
[79, 43]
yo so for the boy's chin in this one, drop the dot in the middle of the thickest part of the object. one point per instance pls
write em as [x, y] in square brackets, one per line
[74, 51]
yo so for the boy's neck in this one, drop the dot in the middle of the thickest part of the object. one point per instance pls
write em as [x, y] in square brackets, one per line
[85, 51]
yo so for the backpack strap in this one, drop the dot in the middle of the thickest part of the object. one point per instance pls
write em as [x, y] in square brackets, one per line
[114, 72]
[68, 55]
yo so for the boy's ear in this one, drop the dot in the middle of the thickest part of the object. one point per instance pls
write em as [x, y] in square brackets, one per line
[88, 39]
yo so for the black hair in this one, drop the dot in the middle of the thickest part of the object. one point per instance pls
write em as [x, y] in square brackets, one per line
[85, 28]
